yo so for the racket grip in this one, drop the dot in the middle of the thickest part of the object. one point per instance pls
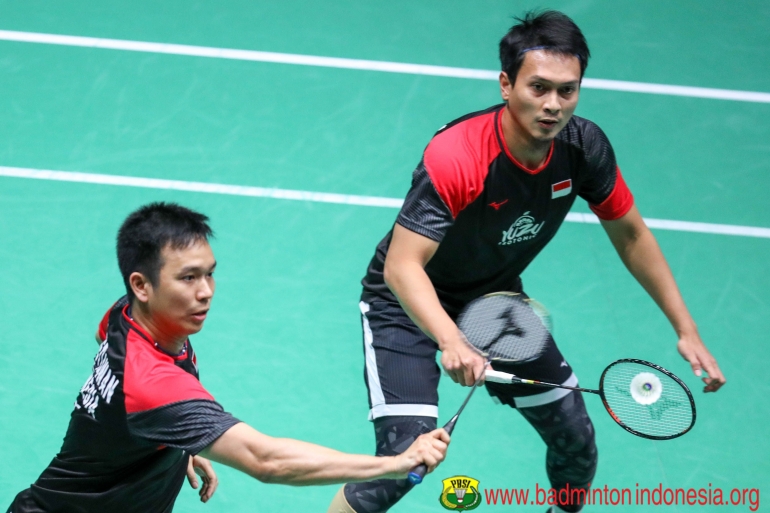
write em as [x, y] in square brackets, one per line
[417, 473]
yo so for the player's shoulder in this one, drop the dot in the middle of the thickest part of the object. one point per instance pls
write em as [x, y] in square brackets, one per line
[583, 133]
[475, 127]
[464, 147]
[153, 379]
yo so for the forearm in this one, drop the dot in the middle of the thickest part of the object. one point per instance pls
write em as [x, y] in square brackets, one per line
[293, 462]
[299, 463]
[415, 292]
[641, 254]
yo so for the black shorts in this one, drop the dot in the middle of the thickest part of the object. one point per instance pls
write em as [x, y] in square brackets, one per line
[402, 375]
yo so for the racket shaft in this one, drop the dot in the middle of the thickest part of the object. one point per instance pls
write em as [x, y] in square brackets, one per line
[494, 376]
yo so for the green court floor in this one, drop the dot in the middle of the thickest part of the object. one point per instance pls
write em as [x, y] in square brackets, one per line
[282, 347]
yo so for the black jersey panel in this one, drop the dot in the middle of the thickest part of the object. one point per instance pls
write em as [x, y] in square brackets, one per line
[595, 150]
[188, 425]
[424, 211]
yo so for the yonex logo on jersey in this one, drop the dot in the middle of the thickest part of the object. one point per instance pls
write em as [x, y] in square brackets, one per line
[524, 228]
[560, 189]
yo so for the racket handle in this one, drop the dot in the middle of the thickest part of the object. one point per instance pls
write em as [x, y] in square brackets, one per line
[417, 473]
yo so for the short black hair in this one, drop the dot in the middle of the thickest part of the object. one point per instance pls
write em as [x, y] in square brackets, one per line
[552, 31]
[147, 230]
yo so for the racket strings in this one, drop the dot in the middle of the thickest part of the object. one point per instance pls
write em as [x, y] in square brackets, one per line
[506, 327]
[647, 400]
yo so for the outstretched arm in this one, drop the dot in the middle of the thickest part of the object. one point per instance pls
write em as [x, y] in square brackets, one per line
[287, 461]
[641, 254]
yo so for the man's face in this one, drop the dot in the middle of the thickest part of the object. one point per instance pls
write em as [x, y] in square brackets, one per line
[544, 95]
[179, 302]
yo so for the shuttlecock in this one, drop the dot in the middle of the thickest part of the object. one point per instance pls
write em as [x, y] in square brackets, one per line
[646, 388]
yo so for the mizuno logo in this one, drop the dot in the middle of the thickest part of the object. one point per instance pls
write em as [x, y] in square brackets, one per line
[524, 228]
[497, 204]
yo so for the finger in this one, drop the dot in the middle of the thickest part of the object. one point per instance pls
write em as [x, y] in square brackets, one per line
[213, 485]
[443, 435]
[192, 478]
[713, 370]
[439, 445]
[695, 364]
[479, 369]
[467, 376]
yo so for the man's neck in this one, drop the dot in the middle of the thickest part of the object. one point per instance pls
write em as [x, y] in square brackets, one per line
[171, 344]
[529, 152]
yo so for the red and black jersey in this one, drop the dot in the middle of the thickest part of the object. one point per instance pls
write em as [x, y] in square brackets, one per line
[491, 214]
[135, 423]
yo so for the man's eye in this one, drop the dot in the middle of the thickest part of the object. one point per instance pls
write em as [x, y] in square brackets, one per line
[189, 277]
[568, 90]
[537, 87]
[211, 274]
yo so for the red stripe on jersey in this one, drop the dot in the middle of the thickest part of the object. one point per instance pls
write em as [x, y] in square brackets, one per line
[103, 325]
[151, 379]
[105, 320]
[457, 160]
[566, 184]
[617, 204]
[513, 159]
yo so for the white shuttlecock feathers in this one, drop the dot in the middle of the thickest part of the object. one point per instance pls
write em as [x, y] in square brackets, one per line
[646, 388]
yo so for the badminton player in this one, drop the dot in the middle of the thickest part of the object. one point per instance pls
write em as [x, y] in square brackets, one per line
[491, 190]
[143, 421]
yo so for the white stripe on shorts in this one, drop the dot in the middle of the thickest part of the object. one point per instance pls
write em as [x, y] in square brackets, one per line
[409, 410]
[546, 397]
[372, 378]
[379, 408]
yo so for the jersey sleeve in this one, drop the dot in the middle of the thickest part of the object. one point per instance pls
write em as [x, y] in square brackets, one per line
[424, 211]
[191, 425]
[603, 188]
[102, 329]
[165, 405]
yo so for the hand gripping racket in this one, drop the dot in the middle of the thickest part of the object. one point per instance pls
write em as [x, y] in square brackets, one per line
[501, 327]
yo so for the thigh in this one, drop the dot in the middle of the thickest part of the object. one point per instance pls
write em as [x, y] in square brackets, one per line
[400, 363]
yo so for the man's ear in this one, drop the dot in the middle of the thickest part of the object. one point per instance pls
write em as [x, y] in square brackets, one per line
[141, 286]
[505, 85]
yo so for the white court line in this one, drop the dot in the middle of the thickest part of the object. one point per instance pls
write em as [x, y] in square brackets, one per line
[360, 64]
[325, 197]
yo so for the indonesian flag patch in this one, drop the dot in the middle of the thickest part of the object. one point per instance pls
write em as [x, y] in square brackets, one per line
[561, 189]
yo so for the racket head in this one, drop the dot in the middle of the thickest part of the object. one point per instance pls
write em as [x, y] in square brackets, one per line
[647, 400]
[506, 327]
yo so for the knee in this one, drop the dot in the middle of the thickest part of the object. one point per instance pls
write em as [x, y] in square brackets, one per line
[572, 451]
[394, 435]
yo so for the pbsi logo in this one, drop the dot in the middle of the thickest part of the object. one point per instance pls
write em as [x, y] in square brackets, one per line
[460, 493]
[524, 228]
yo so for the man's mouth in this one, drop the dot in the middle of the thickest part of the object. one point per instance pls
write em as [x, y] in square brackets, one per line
[547, 122]
[200, 316]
